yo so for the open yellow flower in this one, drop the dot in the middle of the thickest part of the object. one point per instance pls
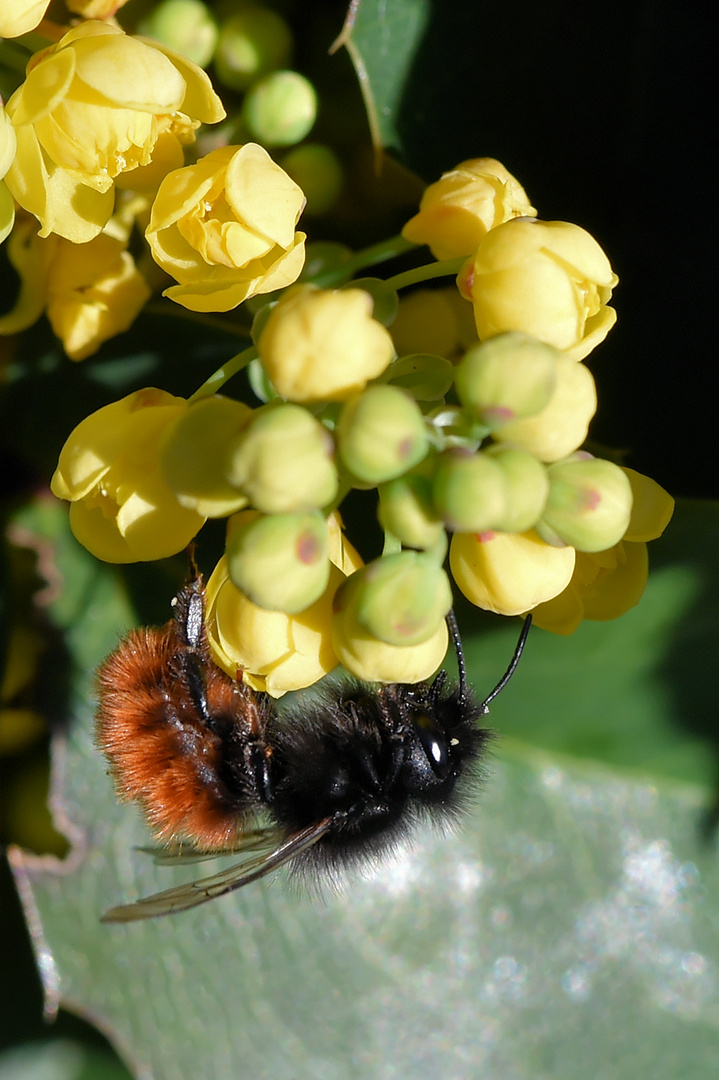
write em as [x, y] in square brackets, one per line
[109, 469]
[225, 228]
[20, 16]
[92, 108]
[548, 279]
[8, 146]
[91, 292]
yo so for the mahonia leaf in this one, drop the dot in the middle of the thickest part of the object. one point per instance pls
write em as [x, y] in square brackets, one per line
[571, 919]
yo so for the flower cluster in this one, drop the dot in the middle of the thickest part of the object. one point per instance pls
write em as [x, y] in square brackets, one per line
[465, 408]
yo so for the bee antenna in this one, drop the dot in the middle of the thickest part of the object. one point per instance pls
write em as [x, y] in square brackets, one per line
[512, 665]
[457, 642]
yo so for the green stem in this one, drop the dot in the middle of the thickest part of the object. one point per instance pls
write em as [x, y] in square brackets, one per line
[369, 256]
[447, 268]
[219, 378]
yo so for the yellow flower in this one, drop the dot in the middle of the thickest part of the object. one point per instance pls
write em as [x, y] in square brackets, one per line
[509, 573]
[8, 145]
[92, 108]
[549, 279]
[459, 209]
[225, 228]
[20, 16]
[272, 651]
[322, 345]
[605, 584]
[109, 469]
[91, 292]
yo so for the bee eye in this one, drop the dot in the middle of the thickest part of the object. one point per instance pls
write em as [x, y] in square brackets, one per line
[427, 765]
[434, 744]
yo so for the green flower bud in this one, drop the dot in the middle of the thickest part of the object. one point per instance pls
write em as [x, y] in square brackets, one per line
[527, 488]
[406, 510]
[589, 504]
[509, 377]
[381, 434]
[281, 109]
[402, 599]
[283, 461]
[186, 26]
[279, 561]
[194, 456]
[424, 376]
[469, 491]
[318, 172]
[252, 43]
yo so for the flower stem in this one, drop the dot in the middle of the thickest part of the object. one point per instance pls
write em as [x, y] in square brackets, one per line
[369, 256]
[220, 377]
[446, 268]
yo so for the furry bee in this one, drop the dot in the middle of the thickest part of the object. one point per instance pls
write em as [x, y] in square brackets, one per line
[342, 779]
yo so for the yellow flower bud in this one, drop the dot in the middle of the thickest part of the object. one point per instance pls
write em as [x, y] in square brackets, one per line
[548, 279]
[318, 171]
[507, 378]
[20, 16]
[589, 504]
[92, 108]
[558, 429]
[122, 510]
[509, 573]
[368, 658]
[253, 42]
[184, 25]
[280, 561]
[90, 292]
[469, 491]
[280, 110]
[284, 461]
[321, 345]
[652, 508]
[426, 323]
[194, 455]
[401, 599]
[381, 434]
[225, 228]
[406, 510]
[275, 652]
[8, 146]
[457, 211]
[526, 488]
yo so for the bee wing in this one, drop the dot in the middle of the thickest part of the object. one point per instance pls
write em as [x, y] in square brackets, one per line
[183, 897]
[251, 840]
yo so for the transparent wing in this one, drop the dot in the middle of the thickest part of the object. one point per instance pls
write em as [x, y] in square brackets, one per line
[251, 840]
[183, 897]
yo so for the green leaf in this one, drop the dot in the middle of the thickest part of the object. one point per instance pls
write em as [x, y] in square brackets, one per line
[382, 40]
[571, 919]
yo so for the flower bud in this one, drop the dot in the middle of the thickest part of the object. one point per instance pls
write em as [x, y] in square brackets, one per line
[425, 377]
[527, 487]
[317, 170]
[652, 508]
[402, 598]
[279, 561]
[458, 210]
[381, 434]
[283, 461]
[548, 279]
[469, 491]
[368, 658]
[507, 378]
[561, 426]
[323, 345]
[589, 504]
[426, 323]
[187, 26]
[407, 511]
[194, 456]
[252, 43]
[280, 110]
[509, 573]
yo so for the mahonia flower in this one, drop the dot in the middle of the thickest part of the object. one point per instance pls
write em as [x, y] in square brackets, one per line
[457, 211]
[548, 279]
[509, 573]
[272, 651]
[225, 228]
[109, 469]
[8, 146]
[606, 584]
[20, 16]
[91, 109]
[90, 292]
[323, 345]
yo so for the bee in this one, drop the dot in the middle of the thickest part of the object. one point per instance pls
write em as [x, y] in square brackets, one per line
[341, 779]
